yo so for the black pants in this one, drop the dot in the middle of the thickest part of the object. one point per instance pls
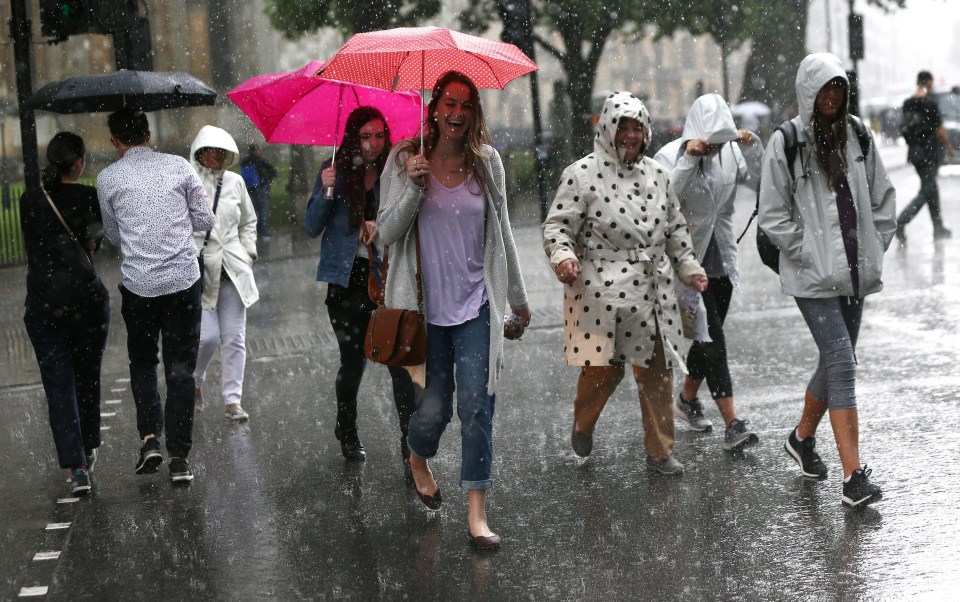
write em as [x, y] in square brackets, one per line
[69, 347]
[929, 195]
[709, 360]
[349, 310]
[176, 318]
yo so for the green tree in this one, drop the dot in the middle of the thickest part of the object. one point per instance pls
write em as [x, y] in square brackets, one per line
[583, 28]
[296, 18]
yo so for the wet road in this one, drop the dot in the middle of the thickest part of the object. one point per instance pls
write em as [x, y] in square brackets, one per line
[275, 512]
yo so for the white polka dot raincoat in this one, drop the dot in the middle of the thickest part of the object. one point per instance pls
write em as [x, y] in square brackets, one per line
[622, 222]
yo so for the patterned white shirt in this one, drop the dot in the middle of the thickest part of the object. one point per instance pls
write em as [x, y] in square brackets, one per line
[152, 203]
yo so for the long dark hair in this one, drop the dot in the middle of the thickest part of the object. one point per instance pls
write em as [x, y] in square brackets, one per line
[350, 159]
[62, 153]
[831, 141]
[473, 140]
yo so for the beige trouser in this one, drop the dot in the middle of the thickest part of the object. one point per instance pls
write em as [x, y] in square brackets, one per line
[655, 385]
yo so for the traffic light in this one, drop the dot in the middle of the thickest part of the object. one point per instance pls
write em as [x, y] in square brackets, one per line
[62, 18]
[517, 28]
[855, 31]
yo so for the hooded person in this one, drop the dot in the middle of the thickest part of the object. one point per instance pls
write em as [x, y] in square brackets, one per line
[228, 251]
[616, 238]
[832, 222]
[706, 165]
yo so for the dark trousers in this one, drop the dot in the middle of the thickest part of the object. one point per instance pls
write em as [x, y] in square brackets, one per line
[349, 310]
[261, 206]
[929, 195]
[176, 318]
[69, 348]
[709, 360]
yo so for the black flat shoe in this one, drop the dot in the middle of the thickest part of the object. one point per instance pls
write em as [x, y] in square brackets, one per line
[484, 542]
[582, 444]
[432, 502]
[350, 447]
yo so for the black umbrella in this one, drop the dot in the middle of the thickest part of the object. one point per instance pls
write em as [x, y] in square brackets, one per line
[143, 90]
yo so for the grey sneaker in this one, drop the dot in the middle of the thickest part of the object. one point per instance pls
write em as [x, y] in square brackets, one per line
[91, 459]
[236, 414]
[738, 436]
[668, 466]
[198, 400]
[691, 412]
[180, 470]
[80, 482]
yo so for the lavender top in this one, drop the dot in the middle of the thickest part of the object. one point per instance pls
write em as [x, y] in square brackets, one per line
[452, 243]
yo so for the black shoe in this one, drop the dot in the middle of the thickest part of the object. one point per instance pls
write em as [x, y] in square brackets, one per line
[901, 234]
[350, 445]
[582, 444]
[802, 451]
[484, 542]
[859, 492]
[180, 470]
[941, 233]
[150, 457]
[80, 482]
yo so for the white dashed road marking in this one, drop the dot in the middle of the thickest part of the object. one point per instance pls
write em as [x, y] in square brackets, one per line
[46, 556]
[56, 526]
[29, 592]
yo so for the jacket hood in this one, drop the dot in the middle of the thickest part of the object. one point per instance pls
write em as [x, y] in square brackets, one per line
[710, 119]
[214, 137]
[620, 105]
[815, 71]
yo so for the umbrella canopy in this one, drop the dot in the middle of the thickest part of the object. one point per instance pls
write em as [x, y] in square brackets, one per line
[297, 107]
[143, 90]
[414, 58]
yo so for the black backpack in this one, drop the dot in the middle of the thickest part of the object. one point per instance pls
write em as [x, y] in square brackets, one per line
[769, 252]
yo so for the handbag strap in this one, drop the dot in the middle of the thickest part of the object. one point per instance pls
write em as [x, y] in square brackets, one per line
[83, 252]
[216, 199]
[385, 267]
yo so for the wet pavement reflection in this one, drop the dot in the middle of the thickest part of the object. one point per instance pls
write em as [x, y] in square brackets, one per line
[276, 513]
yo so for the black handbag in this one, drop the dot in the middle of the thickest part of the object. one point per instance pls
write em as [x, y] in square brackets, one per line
[216, 199]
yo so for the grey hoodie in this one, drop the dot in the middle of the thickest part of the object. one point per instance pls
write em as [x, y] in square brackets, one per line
[800, 216]
[707, 185]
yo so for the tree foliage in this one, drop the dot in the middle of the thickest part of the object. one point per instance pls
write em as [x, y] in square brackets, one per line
[296, 18]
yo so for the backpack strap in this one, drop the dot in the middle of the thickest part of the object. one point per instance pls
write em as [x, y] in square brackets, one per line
[790, 148]
[863, 136]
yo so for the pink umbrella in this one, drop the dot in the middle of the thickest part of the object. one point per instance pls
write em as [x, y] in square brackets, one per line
[414, 58]
[297, 107]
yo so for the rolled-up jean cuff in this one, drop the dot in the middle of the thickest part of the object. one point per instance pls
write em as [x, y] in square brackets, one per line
[417, 453]
[476, 484]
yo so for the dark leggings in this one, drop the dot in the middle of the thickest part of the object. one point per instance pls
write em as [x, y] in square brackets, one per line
[709, 360]
[349, 310]
[834, 323]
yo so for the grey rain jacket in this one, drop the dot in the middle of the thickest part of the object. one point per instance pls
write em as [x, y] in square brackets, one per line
[233, 240]
[707, 185]
[801, 217]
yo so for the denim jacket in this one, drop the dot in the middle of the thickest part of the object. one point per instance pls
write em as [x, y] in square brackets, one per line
[330, 217]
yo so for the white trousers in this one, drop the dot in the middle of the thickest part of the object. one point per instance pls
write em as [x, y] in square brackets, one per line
[227, 328]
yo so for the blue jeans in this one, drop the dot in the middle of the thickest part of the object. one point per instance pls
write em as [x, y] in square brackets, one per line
[466, 347]
[69, 348]
[261, 206]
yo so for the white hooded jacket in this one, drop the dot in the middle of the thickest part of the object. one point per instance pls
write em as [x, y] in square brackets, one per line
[233, 241]
[707, 185]
[800, 215]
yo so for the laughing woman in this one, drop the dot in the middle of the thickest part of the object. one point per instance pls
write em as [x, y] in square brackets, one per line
[449, 200]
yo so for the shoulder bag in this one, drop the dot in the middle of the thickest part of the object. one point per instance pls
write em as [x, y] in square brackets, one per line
[395, 337]
[216, 199]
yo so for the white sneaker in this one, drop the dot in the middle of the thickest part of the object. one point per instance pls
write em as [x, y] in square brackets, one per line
[236, 414]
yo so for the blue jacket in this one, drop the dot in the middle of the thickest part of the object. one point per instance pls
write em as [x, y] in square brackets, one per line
[330, 217]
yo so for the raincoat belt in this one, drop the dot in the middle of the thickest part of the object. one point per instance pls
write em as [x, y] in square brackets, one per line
[633, 255]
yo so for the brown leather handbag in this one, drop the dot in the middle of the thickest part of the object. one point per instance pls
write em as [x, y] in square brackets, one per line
[396, 337]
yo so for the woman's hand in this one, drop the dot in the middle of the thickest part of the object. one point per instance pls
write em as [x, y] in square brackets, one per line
[745, 137]
[698, 282]
[368, 232]
[697, 147]
[417, 169]
[329, 177]
[524, 315]
[568, 271]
